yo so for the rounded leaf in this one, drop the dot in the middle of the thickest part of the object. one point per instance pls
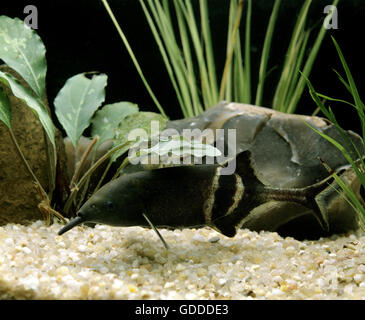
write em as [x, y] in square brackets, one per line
[23, 50]
[107, 120]
[77, 101]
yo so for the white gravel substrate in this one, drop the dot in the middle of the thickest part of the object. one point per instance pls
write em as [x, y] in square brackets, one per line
[131, 263]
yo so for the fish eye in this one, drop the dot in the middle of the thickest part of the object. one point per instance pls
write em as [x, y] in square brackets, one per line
[109, 205]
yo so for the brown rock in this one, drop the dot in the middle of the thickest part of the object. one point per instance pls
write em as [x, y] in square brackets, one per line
[18, 197]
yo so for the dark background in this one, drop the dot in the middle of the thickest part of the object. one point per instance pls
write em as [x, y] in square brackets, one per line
[79, 36]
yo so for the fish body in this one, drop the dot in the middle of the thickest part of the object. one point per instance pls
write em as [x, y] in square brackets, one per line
[192, 196]
[279, 181]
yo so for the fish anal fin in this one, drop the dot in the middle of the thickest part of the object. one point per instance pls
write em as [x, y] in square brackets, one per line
[225, 226]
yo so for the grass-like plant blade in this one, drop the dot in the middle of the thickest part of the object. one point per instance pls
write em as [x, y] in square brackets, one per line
[187, 52]
[23, 50]
[5, 108]
[232, 38]
[133, 57]
[207, 95]
[351, 198]
[297, 65]
[266, 52]
[307, 68]
[80, 184]
[359, 105]
[226, 93]
[358, 164]
[288, 68]
[164, 55]
[182, 65]
[206, 33]
[189, 61]
[354, 91]
[247, 70]
[338, 145]
[36, 104]
[239, 91]
[107, 120]
[330, 115]
[346, 85]
[182, 74]
[77, 101]
[345, 152]
[354, 165]
[351, 86]
[336, 100]
[346, 193]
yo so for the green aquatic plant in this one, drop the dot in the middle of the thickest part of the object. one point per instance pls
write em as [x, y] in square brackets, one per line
[23, 51]
[78, 105]
[291, 86]
[357, 163]
[186, 48]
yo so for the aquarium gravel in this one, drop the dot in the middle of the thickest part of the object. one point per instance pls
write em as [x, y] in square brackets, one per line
[131, 263]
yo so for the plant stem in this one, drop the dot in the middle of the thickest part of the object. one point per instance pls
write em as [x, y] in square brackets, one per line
[89, 173]
[103, 176]
[29, 169]
[82, 161]
[51, 164]
[122, 166]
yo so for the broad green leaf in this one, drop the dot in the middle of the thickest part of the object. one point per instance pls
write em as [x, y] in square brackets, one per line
[23, 50]
[5, 109]
[77, 101]
[140, 120]
[107, 120]
[33, 102]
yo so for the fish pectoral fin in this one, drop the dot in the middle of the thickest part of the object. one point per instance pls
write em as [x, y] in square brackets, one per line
[157, 232]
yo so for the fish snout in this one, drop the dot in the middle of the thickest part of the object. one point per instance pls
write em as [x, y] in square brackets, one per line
[73, 223]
